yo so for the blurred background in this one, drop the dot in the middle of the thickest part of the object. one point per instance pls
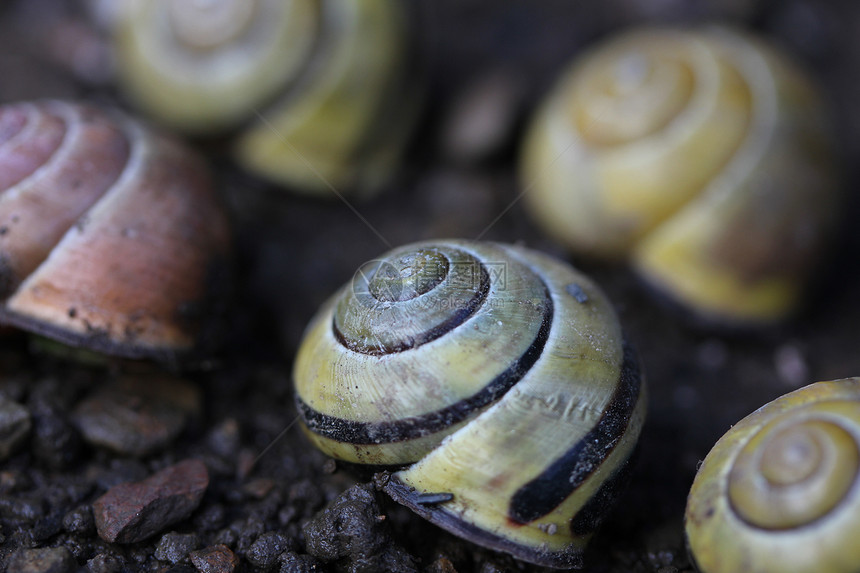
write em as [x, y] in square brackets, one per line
[486, 65]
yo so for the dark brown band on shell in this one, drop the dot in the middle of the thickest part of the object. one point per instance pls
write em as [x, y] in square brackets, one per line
[352, 432]
[591, 515]
[547, 491]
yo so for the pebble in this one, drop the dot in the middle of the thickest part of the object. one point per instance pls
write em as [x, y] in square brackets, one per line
[21, 509]
[132, 512]
[105, 563]
[47, 527]
[44, 560]
[210, 518]
[14, 480]
[258, 488]
[353, 529]
[441, 565]
[264, 552]
[225, 439]
[55, 441]
[15, 424]
[174, 547]
[137, 415]
[292, 562]
[79, 520]
[306, 495]
[215, 559]
[482, 117]
[247, 530]
[791, 366]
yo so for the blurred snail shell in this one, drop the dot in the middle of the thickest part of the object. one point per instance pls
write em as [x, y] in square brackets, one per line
[499, 373]
[325, 85]
[111, 235]
[703, 157]
[779, 492]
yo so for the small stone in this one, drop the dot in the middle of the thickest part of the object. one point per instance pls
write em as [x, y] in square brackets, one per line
[47, 527]
[55, 441]
[292, 562]
[247, 531]
[791, 366]
[330, 466]
[21, 509]
[482, 117]
[43, 560]
[14, 480]
[210, 518]
[349, 530]
[137, 415]
[132, 512]
[174, 547]
[79, 520]
[265, 550]
[105, 563]
[441, 565]
[244, 463]
[306, 494]
[259, 488]
[15, 424]
[215, 559]
[225, 439]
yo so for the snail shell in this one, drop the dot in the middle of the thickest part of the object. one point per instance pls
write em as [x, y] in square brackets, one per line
[325, 84]
[110, 235]
[704, 157]
[499, 373]
[780, 490]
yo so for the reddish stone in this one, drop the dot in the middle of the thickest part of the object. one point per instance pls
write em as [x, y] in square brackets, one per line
[131, 512]
[214, 559]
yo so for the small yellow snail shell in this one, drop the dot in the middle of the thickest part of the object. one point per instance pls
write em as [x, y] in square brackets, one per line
[779, 492]
[499, 373]
[704, 157]
[325, 84]
[110, 234]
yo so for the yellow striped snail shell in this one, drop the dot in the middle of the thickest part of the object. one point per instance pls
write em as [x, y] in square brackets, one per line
[326, 87]
[779, 492]
[111, 235]
[500, 374]
[703, 157]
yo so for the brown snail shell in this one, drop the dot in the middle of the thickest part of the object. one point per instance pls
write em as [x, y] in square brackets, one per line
[111, 235]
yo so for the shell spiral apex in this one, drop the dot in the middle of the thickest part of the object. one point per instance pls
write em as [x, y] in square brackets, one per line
[500, 374]
[111, 235]
[704, 157]
[780, 492]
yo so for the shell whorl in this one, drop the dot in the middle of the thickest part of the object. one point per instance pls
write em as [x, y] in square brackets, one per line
[108, 231]
[204, 66]
[500, 374]
[704, 157]
[323, 92]
[780, 491]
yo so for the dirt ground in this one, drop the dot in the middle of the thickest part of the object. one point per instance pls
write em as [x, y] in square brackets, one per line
[292, 253]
